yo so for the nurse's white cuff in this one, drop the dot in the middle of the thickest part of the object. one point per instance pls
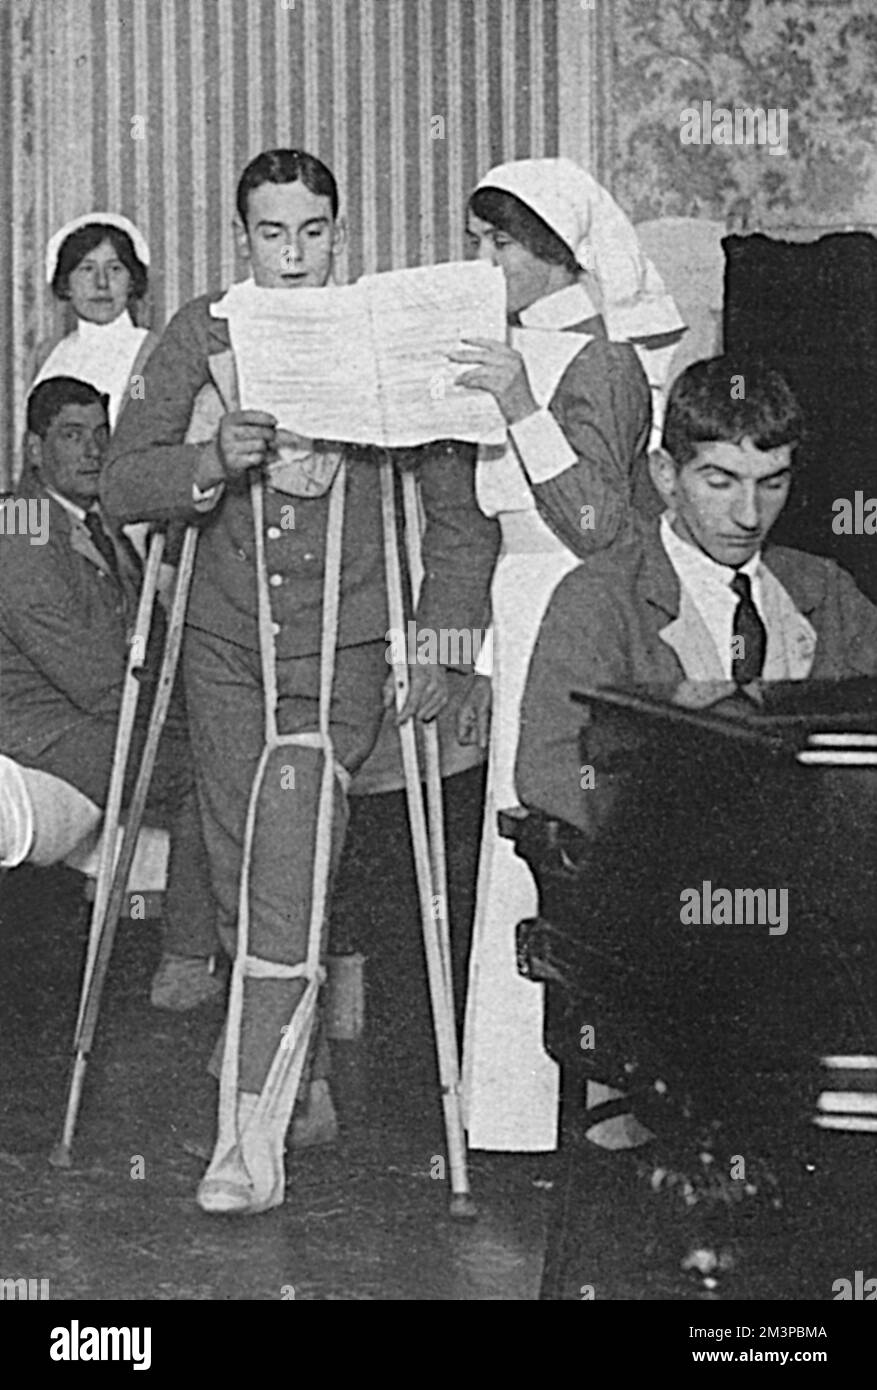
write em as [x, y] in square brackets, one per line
[543, 447]
[484, 659]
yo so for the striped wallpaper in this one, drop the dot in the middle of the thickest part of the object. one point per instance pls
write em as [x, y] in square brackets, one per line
[153, 107]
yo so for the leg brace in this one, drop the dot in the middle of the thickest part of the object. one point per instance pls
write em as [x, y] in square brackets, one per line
[250, 1146]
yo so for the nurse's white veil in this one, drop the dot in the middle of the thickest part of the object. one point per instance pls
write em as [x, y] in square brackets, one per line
[635, 303]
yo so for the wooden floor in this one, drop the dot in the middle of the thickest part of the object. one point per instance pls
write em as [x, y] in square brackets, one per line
[366, 1220]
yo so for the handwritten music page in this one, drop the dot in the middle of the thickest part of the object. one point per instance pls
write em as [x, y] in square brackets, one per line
[367, 363]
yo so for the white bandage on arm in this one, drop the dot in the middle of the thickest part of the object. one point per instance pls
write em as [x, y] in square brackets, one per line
[542, 446]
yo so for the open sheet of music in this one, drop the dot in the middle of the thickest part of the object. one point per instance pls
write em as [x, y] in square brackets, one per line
[367, 363]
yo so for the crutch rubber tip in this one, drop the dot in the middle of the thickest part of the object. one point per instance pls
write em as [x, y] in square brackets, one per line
[462, 1208]
[60, 1157]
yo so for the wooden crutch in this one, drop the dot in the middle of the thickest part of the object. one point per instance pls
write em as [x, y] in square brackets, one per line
[432, 760]
[113, 871]
[437, 962]
[124, 732]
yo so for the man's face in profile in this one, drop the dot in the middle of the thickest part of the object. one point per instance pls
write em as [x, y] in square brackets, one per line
[727, 498]
[71, 456]
[291, 236]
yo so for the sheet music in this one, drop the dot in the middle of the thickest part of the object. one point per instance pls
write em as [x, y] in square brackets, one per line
[367, 363]
[300, 355]
[418, 317]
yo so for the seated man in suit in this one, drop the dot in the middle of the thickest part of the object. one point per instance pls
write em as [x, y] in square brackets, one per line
[698, 595]
[68, 601]
[709, 1029]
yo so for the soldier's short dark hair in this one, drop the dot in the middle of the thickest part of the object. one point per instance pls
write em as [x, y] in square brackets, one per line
[286, 166]
[49, 398]
[728, 400]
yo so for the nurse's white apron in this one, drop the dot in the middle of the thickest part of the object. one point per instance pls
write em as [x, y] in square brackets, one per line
[510, 1083]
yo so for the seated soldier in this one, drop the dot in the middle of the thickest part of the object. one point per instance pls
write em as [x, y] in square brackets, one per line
[709, 1030]
[698, 594]
[67, 608]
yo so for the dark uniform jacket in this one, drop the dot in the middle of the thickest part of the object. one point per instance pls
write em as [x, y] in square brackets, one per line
[607, 625]
[149, 477]
[65, 623]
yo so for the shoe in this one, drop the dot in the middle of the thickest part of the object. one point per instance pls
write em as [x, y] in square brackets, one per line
[317, 1123]
[619, 1132]
[614, 1127]
[246, 1178]
[184, 982]
[232, 1197]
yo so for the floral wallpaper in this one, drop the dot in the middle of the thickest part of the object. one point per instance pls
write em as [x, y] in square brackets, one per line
[814, 60]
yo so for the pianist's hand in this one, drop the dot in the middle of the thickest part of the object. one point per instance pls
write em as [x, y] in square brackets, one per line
[427, 693]
[702, 694]
[473, 716]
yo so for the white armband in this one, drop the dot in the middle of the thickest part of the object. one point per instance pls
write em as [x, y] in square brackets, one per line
[543, 447]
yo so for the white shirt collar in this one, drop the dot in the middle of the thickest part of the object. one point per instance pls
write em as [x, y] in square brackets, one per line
[69, 506]
[241, 294]
[695, 567]
[562, 309]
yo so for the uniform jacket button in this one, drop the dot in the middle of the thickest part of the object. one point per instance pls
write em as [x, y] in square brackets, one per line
[275, 628]
[275, 580]
[274, 533]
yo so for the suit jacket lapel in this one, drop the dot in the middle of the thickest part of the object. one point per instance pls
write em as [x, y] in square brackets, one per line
[686, 633]
[80, 540]
[690, 639]
[805, 586]
[129, 568]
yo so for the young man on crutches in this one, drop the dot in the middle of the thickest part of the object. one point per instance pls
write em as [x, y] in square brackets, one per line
[284, 657]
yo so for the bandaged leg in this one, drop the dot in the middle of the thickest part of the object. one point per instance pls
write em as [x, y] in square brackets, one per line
[246, 1172]
[272, 1007]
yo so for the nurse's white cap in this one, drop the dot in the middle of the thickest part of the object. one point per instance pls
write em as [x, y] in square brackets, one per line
[601, 237]
[111, 219]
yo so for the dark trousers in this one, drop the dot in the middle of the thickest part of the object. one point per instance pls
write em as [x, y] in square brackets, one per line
[375, 910]
[225, 701]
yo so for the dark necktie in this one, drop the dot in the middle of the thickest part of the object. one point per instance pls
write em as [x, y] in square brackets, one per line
[102, 542]
[750, 634]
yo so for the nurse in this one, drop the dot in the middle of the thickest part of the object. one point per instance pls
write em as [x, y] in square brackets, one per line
[584, 307]
[98, 264]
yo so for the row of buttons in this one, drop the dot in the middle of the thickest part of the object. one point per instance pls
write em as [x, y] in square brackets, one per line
[274, 533]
